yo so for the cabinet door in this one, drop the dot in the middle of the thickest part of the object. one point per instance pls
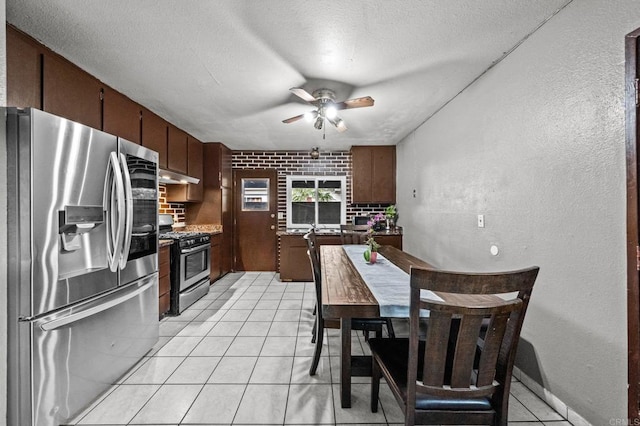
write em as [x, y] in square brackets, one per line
[373, 174]
[164, 279]
[216, 260]
[294, 261]
[24, 67]
[383, 174]
[190, 192]
[361, 174]
[70, 92]
[177, 150]
[154, 135]
[121, 116]
[194, 168]
[227, 229]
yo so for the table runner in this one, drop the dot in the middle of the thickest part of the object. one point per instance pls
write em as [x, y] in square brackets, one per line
[388, 283]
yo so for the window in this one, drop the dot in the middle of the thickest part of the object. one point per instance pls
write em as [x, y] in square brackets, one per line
[317, 200]
[255, 194]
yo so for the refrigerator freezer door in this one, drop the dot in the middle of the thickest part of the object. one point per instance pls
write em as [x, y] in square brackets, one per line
[79, 352]
[59, 164]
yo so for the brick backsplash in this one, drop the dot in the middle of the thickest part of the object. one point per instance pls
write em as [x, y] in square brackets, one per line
[175, 209]
[300, 163]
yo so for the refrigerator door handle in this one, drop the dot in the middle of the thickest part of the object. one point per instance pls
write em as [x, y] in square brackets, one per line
[113, 204]
[93, 310]
[128, 193]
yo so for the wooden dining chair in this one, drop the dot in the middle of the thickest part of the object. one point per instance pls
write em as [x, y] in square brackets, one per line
[461, 373]
[353, 234]
[321, 323]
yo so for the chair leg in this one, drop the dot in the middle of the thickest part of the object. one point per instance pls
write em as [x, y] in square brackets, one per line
[390, 331]
[313, 331]
[319, 336]
[375, 384]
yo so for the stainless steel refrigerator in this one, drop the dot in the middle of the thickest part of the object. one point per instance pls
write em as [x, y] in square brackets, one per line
[82, 263]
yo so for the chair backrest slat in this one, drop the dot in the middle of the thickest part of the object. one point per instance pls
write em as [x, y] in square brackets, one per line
[465, 351]
[437, 339]
[492, 343]
[353, 234]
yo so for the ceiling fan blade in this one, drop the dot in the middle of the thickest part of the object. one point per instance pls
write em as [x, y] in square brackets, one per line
[367, 101]
[309, 115]
[292, 119]
[303, 94]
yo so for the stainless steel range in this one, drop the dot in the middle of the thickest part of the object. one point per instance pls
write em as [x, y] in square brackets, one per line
[190, 265]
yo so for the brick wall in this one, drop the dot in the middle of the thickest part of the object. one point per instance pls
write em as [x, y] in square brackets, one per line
[300, 163]
[175, 209]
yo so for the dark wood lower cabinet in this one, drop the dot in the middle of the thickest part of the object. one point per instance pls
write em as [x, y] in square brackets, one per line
[216, 257]
[294, 262]
[164, 280]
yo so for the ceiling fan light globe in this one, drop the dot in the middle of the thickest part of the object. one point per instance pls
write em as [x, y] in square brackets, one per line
[309, 116]
[318, 123]
[331, 112]
[340, 125]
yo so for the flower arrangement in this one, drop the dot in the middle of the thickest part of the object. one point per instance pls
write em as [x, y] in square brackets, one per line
[377, 222]
[374, 224]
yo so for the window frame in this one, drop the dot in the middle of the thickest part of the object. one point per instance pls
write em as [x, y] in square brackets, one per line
[317, 179]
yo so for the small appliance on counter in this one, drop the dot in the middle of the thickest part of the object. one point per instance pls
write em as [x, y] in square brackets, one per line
[190, 264]
[360, 220]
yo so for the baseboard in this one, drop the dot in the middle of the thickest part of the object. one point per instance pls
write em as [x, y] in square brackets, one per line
[563, 409]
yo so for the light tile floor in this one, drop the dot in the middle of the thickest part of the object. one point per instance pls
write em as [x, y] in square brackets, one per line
[241, 355]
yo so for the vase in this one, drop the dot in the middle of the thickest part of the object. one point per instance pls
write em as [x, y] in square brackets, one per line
[370, 256]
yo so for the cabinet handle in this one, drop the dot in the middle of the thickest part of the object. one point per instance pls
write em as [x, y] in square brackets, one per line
[273, 227]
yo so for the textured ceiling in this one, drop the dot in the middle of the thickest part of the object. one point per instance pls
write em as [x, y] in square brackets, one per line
[221, 69]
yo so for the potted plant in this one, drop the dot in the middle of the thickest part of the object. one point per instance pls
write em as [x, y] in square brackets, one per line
[391, 213]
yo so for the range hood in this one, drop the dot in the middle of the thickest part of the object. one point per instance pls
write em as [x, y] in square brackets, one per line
[167, 176]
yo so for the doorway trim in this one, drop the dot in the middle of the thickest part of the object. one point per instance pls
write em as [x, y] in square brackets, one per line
[632, 74]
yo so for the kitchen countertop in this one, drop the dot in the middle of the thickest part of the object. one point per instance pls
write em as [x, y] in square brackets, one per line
[210, 229]
[282, 232]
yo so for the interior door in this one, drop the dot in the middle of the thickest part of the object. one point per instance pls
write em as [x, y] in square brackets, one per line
[255, 194]
[632, 102]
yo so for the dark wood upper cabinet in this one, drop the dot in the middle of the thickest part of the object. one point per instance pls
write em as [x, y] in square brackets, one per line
[154, 135]
[177, 150]
[190, 192]
[24, 70]
[121, 116]
[194, 168]
[70, 92]
[374, 174]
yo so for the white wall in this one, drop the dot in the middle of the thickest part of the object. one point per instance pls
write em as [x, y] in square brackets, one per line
[3, 220]
[537, 146]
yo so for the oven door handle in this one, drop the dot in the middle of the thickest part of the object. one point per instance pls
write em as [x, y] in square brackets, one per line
[203, 247]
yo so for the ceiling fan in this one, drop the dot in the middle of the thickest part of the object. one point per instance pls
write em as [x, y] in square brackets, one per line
[326, 107]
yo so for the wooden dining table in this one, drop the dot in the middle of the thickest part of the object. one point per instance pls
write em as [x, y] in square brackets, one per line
[346, 295]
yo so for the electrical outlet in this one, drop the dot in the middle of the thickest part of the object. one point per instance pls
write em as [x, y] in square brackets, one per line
[480, 221]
